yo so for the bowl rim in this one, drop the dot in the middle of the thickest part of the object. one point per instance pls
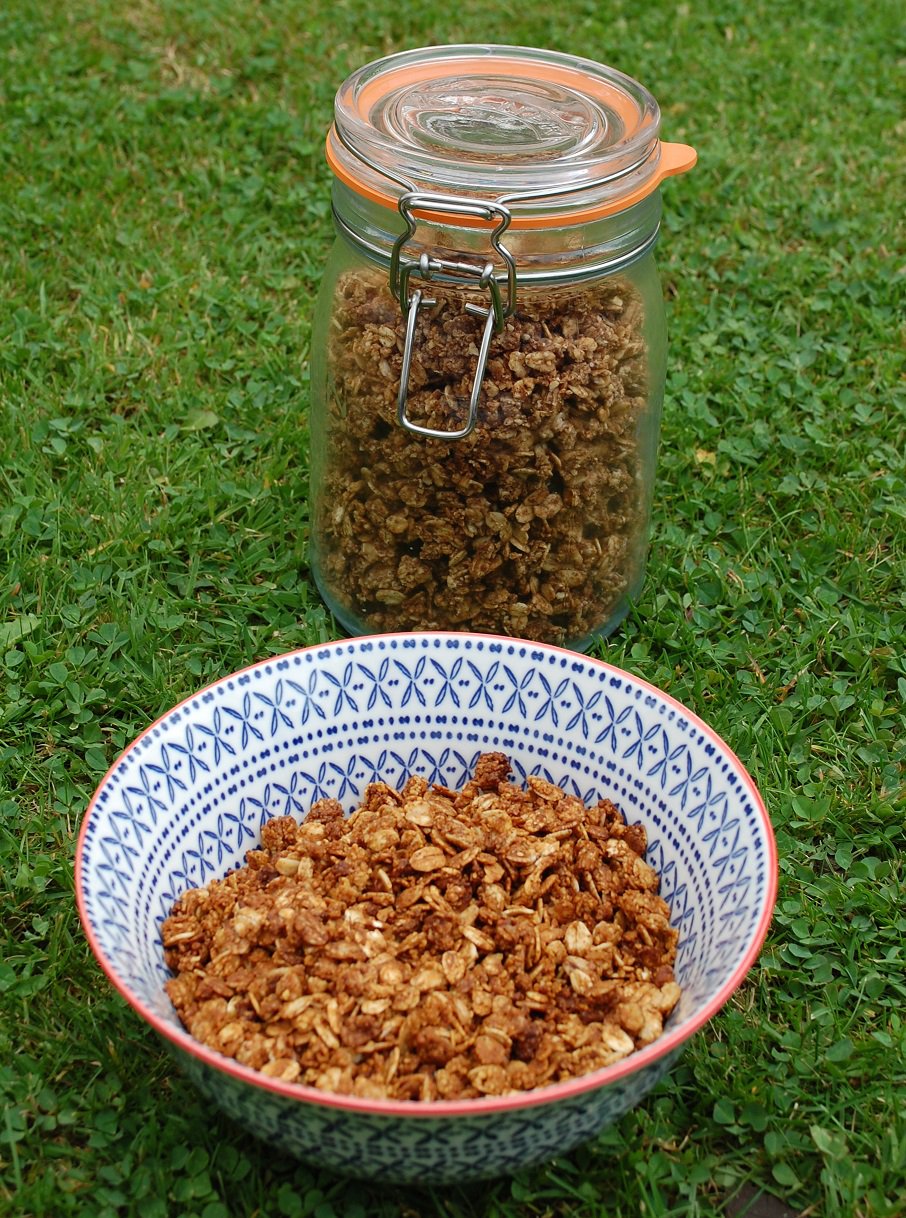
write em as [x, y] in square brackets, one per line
[637, 1061]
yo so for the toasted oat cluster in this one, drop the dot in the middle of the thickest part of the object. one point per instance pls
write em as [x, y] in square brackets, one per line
[534, 524]
[437, 944]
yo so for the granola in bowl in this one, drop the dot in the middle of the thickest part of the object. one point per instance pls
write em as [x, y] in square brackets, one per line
[188, 798]
[436, 944]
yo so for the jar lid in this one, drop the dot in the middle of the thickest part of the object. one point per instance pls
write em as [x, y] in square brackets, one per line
[554, 138]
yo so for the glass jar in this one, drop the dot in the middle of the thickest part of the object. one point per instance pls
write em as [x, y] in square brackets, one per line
[489, 345]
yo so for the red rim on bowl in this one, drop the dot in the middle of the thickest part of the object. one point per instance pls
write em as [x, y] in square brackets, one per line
[551, 1093]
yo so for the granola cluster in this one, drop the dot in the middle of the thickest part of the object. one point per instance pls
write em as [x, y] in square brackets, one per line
[534, 524]
[437, 944]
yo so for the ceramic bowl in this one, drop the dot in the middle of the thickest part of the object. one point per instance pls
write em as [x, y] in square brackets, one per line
[187, 799]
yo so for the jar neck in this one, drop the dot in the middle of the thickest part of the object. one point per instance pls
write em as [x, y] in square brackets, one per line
[563, 254]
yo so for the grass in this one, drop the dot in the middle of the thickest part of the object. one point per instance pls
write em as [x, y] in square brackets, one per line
[164, 214]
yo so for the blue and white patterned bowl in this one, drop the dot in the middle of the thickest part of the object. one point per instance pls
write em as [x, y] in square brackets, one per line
[188, 797]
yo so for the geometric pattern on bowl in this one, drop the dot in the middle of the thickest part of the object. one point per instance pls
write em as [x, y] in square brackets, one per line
[186, 800]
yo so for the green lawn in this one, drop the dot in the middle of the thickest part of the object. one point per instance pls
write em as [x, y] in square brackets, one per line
[164, 214]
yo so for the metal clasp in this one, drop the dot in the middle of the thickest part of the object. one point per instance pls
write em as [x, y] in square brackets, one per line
[449, 271]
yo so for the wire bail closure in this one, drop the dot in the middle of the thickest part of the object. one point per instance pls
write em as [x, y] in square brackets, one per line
[444, 270]
[674, 158]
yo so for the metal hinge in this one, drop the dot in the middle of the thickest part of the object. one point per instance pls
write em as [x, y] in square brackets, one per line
[443, 270]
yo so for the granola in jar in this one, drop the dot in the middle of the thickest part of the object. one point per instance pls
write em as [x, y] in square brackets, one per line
[534, 524]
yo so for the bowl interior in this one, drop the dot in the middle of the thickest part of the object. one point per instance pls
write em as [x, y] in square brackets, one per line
[188, 797]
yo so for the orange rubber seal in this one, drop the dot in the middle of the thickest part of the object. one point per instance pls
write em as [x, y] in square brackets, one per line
[674, 159]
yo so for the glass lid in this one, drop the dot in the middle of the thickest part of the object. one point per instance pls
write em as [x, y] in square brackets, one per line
[546, 134]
